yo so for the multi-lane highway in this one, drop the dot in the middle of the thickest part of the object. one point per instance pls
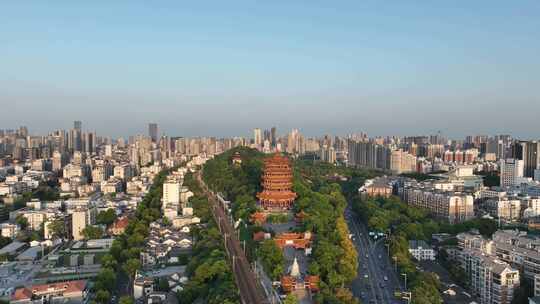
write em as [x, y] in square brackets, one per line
[377, 279]
[250, 292]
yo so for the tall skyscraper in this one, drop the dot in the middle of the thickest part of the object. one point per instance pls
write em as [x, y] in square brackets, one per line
[89, 142]
[23, 131]
[273, 137]
[77, 125]
[529, 153]
[257, 137]
[153, 131]
[75, 140]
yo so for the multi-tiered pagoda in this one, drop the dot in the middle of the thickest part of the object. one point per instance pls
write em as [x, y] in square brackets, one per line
[277, 183]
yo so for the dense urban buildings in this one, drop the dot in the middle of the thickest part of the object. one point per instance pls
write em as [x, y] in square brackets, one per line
[88, 174]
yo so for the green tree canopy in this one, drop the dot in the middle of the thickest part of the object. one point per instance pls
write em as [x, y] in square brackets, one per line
[92, 232]
[106, 217]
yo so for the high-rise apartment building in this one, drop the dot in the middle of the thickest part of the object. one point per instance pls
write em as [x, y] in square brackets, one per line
[529, 152]
[402, 162]
[75, 140]
[511, 172]
[79, 220]
[273, 139]
[171, 192]
[77, 125]
[153, 131]
[59, 161]
[89, 142]
[257, 138]
[327, 154]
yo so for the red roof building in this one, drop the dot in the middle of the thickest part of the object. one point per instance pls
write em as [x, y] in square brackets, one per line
[288, 283]
[258, 218]
[296, 240]
[312, 283]
[119, 226]
[75, 291]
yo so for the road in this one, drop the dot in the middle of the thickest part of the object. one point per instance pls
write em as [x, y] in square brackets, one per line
[250, 292]
[373, 262]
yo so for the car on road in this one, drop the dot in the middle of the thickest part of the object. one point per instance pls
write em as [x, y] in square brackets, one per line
[366, 276]
[385, 278]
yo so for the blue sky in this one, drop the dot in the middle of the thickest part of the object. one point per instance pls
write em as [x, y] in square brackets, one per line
[224, 67]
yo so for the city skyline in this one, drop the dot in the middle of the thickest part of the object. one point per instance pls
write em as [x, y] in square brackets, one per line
[222, 69]
[249, 133]
[261, 152]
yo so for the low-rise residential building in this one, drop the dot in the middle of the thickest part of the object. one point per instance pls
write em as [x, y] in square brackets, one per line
[381, 186]
[113, 185]
[9, 230]
[62, 292]
[537, 285]
[504, 208]
[165, 245]
[124, 172]
[102, 172]
[450, 206]
[475, 241]
[35, 218]
[421, 251]
[520, 250]
[491, 279]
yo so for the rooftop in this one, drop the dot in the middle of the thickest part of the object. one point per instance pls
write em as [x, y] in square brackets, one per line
[418, 244]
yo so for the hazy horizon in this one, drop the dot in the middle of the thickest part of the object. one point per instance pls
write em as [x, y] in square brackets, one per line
[222, 69]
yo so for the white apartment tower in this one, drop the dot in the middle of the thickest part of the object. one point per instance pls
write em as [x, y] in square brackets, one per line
[257, 138]
[511, 172]
[78, 222]
[171, 192]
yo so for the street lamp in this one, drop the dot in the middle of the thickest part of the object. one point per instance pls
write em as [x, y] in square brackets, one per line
[408, 296]
[395, 262]
[405, 275]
